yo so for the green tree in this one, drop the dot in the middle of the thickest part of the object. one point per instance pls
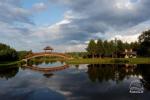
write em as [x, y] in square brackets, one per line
[127, 45]
[134, 46]
[100, 48]
[144, 40]
[120, 45]
[112, 47]
[23, 54]
[91, 49]
[7, 53]
[107, 48]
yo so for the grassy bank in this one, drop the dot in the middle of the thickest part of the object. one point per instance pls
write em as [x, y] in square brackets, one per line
[110, 61]
[89, 61]
[11, 63]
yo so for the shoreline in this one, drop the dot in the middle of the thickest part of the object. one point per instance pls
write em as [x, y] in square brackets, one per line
[110, 61]
[11, 63]
[95, 61]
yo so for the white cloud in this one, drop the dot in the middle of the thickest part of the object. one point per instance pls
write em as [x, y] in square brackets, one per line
[126, 38]
[39, 7]
[125, 4]
[83, 20]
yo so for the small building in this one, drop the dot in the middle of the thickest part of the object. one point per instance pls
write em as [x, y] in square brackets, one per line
[48, 49]
[128, 54]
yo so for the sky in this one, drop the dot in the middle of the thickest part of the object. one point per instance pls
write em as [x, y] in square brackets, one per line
[68, 25]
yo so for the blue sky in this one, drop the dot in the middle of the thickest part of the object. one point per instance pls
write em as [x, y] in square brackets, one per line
[68, 25]
[52, 13]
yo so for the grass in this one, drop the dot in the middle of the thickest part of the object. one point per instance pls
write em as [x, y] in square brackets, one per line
[11, 63]
[110, 61]
[91, 61]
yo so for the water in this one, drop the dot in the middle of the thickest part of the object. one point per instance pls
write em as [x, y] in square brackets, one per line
[49, 64]
[78, 82]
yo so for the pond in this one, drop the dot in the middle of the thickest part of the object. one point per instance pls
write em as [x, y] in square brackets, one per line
[49, 64]
[77, 82]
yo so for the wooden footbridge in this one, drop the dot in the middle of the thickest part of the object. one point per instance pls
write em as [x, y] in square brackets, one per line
[50, 54]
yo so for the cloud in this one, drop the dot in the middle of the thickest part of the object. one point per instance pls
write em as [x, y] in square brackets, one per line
[39, 7]
[129, 38]
[83, 20]
[11, 12]
[103, 19]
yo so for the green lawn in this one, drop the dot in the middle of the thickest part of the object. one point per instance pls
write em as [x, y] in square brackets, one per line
[110, 61]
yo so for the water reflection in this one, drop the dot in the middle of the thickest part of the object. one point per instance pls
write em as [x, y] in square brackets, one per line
[97, 72]
[144, 70]
[78, 82]
[48, 75]
[45, 63]
[117, 73]
[8, 72]
[106, 72]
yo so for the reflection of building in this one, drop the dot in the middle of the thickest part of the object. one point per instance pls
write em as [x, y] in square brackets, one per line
[128, 54]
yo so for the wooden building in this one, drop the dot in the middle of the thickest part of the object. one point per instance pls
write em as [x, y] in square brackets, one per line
[128, 54]
[48, 49]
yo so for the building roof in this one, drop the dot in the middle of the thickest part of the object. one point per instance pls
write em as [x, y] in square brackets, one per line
[131, 53]
[48, 48]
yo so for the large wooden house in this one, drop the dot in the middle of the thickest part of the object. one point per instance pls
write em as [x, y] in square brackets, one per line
[128, 53]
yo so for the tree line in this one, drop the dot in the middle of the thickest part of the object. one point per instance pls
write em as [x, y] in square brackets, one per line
[102, 48]
[8, 54]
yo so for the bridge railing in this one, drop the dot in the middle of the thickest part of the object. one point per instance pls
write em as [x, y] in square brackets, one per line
[43, 53]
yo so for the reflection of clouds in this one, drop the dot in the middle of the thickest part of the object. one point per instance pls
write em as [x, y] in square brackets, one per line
[77, 86]
[25, 83]
[66, 93]
[83, 66]
[73, 69]
[71, 84]
[74, 86]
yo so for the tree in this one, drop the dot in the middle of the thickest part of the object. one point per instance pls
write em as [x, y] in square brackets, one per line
[134, 46]
[23, 54]
[91, 49]
[107, 50]
[7, 53]
[127, 45]
[112, 47]
[144, 40]
[120, 45]
[99, 48]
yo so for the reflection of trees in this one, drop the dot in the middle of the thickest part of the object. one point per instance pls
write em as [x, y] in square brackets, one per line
[100, 72]
[8, 72]
[144, 69]
[52, 61]
[105, 72]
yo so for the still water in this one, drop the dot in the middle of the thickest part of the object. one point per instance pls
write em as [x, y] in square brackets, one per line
[77, 82]
[49, 64]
